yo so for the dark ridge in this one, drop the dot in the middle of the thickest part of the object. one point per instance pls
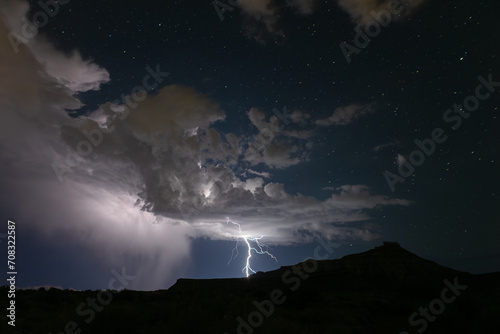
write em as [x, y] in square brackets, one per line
[382, 290]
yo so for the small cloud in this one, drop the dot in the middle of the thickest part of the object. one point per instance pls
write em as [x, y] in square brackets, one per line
[272, 146]
[346, 114]
[304, 7]
[382, 146]
[299, 116]
[253, 184]
[260, 19]
[400, 159]
[360, 10]
[356, 197]
[263, 174]
[257, 8]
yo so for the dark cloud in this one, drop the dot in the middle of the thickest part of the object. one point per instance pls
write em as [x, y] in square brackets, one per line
[346, 114]
[385, 145]
[361, 10]
[262, 17]
[304, 7]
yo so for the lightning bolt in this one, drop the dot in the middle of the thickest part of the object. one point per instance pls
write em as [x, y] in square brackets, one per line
[259, 248]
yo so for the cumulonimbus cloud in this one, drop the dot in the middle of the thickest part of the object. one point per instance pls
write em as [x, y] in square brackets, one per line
[156, 178]
[91, 215]
[182, 168]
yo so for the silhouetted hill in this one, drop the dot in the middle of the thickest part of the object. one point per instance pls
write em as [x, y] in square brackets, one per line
[383, 290]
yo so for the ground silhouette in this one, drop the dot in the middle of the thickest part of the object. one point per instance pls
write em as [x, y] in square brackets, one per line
[384, 290]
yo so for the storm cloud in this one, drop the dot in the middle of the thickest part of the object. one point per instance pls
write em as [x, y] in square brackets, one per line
[158, 174]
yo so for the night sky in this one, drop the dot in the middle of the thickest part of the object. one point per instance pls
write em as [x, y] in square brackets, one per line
[155, 135]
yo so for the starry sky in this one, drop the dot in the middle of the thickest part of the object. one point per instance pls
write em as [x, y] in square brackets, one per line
[157, 135]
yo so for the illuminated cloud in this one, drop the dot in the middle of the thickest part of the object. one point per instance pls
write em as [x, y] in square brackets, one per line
[89, 212]
[70, 71]
[263, 174]
[171, 162]
[161, 173]
[272, 146]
